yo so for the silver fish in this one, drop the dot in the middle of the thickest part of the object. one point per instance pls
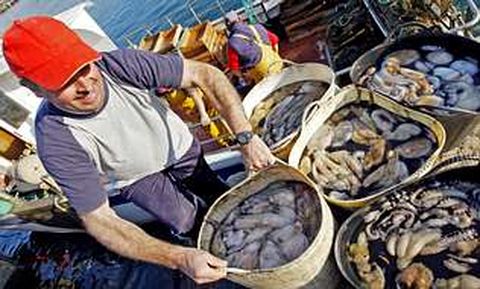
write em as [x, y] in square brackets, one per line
[266, 219]
[342, 133]
[404, 132]
[282, 235]
[270, 256]
[295, 246]
[246, 258]
[415, 148]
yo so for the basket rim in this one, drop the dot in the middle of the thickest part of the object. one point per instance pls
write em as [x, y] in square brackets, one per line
[341, 100]
[326, 220]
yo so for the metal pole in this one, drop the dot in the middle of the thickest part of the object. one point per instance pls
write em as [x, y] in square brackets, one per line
[129, 42]
[194, 13]
[169, 21]
[220, 7]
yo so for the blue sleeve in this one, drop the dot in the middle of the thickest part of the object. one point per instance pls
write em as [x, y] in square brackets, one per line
[143, 69]
[69, 164]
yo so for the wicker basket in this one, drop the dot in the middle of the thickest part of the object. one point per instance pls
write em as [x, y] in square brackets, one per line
[350, 95]
[294, 274]
[292, 74]
[462, 148]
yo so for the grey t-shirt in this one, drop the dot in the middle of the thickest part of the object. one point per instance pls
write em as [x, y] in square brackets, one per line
[134, 135]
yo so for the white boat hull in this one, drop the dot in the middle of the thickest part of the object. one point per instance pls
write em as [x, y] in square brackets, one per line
[226, 163]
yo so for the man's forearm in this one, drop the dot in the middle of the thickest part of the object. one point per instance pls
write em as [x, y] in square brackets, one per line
[128, 240]
[226, 100]
[229, 103]
[221, 94]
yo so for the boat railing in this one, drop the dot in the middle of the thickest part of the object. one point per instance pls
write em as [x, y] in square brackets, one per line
[198, 13]
[216, 9]
[148, 29]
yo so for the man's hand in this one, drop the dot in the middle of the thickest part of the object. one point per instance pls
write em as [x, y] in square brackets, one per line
[257, 155]
[226, 100]
[129, 240]
[202, 266]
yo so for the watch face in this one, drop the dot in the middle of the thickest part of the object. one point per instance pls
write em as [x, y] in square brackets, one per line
[244, 137]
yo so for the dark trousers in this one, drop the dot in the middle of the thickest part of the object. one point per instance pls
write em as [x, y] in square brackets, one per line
[179, 195]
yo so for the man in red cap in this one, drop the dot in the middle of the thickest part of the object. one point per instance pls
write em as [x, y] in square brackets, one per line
[99, 131]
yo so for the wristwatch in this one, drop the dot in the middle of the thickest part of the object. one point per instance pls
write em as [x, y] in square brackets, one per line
[244, 137]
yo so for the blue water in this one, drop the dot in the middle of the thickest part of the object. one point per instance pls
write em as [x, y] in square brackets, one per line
[120, 17]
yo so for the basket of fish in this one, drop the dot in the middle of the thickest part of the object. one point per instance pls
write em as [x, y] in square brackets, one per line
[424, 235]
[274, 229]
[361, 144]
[276, 105]
[437, 72]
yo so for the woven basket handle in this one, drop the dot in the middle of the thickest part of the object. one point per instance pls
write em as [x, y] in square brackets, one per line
[237, 271]
[277, 161]
[309, 112]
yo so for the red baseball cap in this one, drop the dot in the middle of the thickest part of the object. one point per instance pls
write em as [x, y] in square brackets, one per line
[45, 51]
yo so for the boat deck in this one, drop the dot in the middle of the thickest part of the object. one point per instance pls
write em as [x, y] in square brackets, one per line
[309, 49]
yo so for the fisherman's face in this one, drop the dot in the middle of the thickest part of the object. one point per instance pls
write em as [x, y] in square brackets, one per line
[83, 93]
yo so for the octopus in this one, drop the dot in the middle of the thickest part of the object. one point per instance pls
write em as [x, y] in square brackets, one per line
[433, 78]
[470, 103]
[322, 138]
[404, 132]
[335, 171]
[360, 256]
[356, 154]
[432, 224]
[342, 133]
[363, 135]
[422, 66]
[430, 100]
[415, 148]
[405, 56]
[416, 276]
[387, 174]
[410, 245]
[278, 117]
[383, 119]
[465, 67]
[463, 281]
[446, 73]
[434, 81]
[457, 91]
[439, 57]
[269, 228]
[376, 153]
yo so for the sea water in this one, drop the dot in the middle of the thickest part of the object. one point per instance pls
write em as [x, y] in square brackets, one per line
[120, 18]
